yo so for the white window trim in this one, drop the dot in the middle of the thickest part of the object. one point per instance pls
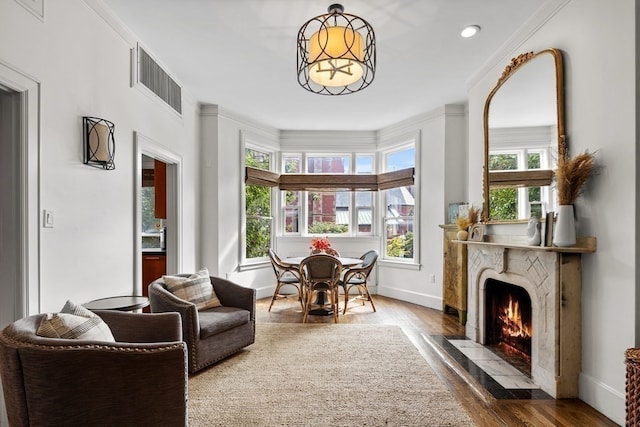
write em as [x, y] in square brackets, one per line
[254, 142]
[402, 142]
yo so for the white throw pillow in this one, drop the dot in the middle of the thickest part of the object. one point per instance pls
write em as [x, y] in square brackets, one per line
[74, 322]
[196, 289]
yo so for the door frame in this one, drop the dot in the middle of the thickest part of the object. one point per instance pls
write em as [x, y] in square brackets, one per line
[148, 147]
[28, 298]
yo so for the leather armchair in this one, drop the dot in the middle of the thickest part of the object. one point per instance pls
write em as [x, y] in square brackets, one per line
[52, 381]
[214, 334]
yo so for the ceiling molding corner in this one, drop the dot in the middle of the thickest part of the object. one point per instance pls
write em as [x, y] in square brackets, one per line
[524, 33]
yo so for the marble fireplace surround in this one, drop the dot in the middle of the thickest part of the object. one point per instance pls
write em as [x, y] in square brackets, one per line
[552, 278]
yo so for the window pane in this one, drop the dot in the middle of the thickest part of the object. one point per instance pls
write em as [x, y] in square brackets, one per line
[364, 199]
[258, 236]
[503, 162]
[364, 164]
[399, 233]
[364, 207]
[257, 159]
[292, 163]
[399, 220]
[291, 211]
[401, 160]
[257, 209]
[503, 203]
[328, 212]
[258, 200]
[535, 201]
[330, 164]
[534, 161]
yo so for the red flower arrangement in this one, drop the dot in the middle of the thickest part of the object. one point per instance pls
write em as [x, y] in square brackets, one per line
[322, 245]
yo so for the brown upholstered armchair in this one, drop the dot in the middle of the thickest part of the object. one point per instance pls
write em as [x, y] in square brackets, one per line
[216, 333]
[52, 381]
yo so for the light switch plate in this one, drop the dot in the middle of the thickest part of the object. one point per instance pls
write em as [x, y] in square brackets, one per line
[47, 219]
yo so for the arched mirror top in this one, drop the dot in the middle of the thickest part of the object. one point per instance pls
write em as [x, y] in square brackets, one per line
[524, 130]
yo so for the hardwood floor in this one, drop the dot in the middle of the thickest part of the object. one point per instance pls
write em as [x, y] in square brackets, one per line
[417, 320]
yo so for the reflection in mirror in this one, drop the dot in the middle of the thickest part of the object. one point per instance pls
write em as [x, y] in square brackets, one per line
[524, 128]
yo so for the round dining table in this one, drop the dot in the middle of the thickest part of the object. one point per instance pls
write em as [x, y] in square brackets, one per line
[346, 262]
[321, 298]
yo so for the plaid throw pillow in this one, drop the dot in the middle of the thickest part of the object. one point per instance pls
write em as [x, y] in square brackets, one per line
[74, 322]
[196, 289]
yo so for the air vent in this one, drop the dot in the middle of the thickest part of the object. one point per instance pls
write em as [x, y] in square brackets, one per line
[151, 75]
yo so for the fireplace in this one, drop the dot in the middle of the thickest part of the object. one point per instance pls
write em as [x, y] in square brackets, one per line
[508, 322]
[544, 284]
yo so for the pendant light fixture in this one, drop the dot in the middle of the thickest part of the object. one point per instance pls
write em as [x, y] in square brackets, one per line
[336, 53]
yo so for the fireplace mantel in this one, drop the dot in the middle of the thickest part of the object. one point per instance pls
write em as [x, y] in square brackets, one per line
[583, 245]
[552, 277]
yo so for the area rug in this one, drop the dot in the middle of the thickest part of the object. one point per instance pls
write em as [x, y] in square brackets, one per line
[324, 375]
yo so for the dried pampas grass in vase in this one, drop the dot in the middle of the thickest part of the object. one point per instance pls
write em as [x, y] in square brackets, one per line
[571, 176]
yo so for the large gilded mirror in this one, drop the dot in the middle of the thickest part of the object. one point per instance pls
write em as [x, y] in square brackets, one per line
[523, 133]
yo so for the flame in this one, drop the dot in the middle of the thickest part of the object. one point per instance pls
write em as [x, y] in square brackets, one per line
[511, 318]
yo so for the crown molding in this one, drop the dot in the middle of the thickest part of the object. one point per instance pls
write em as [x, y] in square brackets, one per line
[547, 11]
[420, 119]
[214, 110]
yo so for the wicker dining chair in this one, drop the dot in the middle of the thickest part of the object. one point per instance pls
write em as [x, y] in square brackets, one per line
[358, 277]
[320, 273]
[285, 275]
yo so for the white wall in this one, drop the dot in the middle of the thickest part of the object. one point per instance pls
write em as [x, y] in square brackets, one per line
[221, 194]
[598, 42]
[441, 174]
[83, 67]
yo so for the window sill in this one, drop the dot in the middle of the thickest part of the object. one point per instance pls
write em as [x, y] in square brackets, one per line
[254, 265]
[399, 264]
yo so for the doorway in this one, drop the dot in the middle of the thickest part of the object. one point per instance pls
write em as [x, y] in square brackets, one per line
[19, 212]
[11, 294]
[158, 236]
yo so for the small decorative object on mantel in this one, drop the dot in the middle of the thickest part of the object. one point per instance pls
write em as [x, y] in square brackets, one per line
[571, 176]
[476, 233]
[321, 245]
[463, 223]
[533, 231]
[465, 220]
[548, 229]
[453, 212]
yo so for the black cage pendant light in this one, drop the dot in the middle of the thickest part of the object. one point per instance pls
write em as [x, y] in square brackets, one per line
[336, 53]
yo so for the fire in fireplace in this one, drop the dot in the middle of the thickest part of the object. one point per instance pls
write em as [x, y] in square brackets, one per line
[508, 319]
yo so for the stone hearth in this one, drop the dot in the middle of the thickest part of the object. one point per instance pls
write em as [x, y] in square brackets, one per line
[552, 278]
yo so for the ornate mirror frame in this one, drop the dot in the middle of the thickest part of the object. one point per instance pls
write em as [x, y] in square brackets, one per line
[523, 178]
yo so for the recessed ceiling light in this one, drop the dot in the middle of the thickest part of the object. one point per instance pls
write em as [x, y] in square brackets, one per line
[470, 31]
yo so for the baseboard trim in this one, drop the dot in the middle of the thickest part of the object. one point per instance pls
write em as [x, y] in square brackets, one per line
[603, 398]
[412, 297]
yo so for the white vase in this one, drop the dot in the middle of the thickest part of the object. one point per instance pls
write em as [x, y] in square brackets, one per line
[564, 231]
[462, 234]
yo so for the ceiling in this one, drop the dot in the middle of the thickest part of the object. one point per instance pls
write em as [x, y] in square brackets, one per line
[241, 54]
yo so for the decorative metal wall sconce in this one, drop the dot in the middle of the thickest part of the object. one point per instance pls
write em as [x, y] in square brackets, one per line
[99, 142]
